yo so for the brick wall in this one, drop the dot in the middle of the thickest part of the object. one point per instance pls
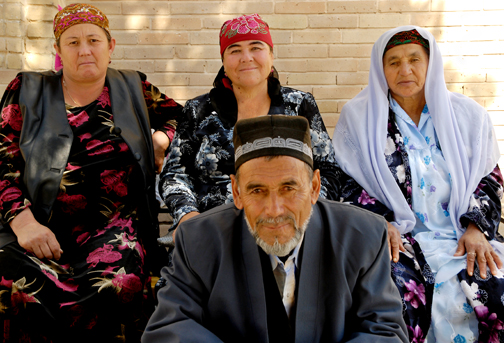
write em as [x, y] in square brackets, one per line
[320, 46]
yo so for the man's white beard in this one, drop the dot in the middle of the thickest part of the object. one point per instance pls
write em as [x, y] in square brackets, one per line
[278, 249]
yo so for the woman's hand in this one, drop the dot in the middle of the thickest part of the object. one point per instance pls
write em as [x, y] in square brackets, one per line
[474, 242]
[394, 242]
[183, 219]
[161, 142]
[34, 237]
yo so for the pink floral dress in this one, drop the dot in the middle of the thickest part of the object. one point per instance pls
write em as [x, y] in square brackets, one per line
[99, 281]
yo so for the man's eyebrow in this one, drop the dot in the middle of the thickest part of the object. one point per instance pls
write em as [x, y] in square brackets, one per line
[253, 185]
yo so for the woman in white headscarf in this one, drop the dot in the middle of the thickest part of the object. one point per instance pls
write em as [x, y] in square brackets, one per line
[426, 159]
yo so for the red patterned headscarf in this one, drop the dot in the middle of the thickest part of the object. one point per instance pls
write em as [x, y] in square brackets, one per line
[245, 27]
[407, 37]
[79, 14]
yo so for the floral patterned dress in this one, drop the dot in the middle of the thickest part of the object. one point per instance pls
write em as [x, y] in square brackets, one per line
[100, 279]
[201, 157]
[475, 307]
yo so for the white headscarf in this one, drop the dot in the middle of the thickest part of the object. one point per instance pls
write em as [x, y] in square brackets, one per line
[463, 127]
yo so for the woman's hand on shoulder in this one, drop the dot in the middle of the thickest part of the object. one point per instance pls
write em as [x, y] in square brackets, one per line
[35, 237]
[394, 242]
[474, 242]
[161, 142]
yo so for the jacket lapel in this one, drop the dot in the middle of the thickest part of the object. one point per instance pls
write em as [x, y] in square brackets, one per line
[252, 273]
[308, 288]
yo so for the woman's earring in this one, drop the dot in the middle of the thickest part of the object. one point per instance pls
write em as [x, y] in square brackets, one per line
[272, 69]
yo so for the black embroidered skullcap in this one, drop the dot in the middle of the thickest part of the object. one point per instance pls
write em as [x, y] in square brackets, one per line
[272, 135]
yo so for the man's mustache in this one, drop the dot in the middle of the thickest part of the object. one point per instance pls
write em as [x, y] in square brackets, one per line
[277, 220]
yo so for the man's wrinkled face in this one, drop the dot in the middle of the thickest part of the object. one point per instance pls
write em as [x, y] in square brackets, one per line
[277, 195]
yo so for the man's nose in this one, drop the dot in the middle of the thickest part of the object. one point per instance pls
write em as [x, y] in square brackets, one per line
[274, 205]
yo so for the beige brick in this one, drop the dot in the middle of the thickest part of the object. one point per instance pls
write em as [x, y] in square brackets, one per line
[357, 78]
[39, 62]
[438, 19]
[330, 118]
[14, 44]
[3, 57]
[201, 80]
[383, 20]
[39, 30]
[351, 6]
[130, 22]
[107, 7]
[118, 53]
[215, 22]
[41, 13]
[297, 51]
[495, 104]
[40, 46]
[179, 23]
[286, 22]
[281, 37]
[140, 65]
[323, 78]
[499, 132]
[169, 79]
[341, 103]
[363, 64]
[493, 5]
[300, 7]
[190, 66]
[196, 8]
[283, 66]
[213, 66]
[455, 87]
[330, 131]
[495, 75]
[204, 37]
[317, 36]
[333, 20]
[146, 7]
[41, 2]
[14, 61]
[362, 35]
[6, 76]
[469, 62]
[331, 64]
[350, 50]
[464, 76]
[182, 93]
[470, 48]
[482, 18]
[2, 14]
[163, 38]
[326, 106]
[14, 29]
[456, 5]
[2, 28]
[336, 92]
[484, 89]
[282, 78]
[125, 37]
[148, 52]
[404, 6]
[12, 11]
[201, 52]
[3, 46]
[246, 7]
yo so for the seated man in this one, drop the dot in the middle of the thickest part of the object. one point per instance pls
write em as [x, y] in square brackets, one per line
[281, 266]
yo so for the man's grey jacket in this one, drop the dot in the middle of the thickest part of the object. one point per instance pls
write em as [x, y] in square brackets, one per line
[217, 286]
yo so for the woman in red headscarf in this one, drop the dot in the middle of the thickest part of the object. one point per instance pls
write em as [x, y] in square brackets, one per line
[201, 158]
[77, 205]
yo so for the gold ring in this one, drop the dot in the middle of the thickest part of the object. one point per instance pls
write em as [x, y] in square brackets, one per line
[471, 253]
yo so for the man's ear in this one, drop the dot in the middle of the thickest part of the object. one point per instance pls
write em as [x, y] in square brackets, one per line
[315, 191]
[236, 192]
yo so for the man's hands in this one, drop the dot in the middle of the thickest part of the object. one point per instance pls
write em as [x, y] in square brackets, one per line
[474, 242]
[394, 242]
[161, 142]
[35, 237]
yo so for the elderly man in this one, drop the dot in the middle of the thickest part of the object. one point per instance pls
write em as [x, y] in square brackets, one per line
[279, 265]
